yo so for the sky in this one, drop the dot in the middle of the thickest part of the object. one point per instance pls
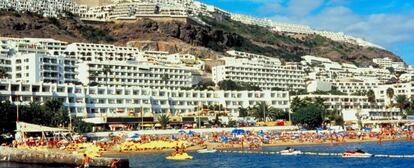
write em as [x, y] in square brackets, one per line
[388, 23]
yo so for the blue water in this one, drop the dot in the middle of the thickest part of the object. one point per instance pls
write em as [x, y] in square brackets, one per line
[230, 160]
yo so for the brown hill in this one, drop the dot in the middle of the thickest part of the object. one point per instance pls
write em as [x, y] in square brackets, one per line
[187, 37]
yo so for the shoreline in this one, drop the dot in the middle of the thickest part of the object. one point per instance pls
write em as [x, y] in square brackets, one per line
[215, 145]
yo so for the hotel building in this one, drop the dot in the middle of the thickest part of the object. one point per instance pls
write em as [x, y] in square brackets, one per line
[346, 102]
[47, 8]
[40, 68]
[350, 86]
[135, 74]
[129, 101]
[102, 52]
[406, 89]
[388, 63]
[256, 72]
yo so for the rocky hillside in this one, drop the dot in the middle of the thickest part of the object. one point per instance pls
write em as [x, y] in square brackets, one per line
[190, 37]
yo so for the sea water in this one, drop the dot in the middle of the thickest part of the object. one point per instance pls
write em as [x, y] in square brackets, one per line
[236, 160]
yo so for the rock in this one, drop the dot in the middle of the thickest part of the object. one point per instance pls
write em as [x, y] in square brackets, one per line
[46, 158]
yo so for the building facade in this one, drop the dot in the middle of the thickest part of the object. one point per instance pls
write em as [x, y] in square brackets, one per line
[134, 74]
[38, 68]
[346, 102]
[123, 102]
[102, 52]
[286, 77]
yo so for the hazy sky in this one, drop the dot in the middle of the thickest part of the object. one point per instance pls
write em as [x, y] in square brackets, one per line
[389, 23]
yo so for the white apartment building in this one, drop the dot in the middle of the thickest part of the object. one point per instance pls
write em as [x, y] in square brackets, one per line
[12, 49]
[47, 8]
[126, 102]
[301, 29]
[6, 63]
[161, 57]
[383, 62]
[317, 85]
[102, 52]
[388, 63]
[135, 74]
[263, 60]
[371, 73]
[133, 10]
[407, 77]
[351, 85]
[346, 102]
[284, 77]
[40, 68]
[399, 89]
[326, 70]
[312, 60]
[374, 118]
[11, 46]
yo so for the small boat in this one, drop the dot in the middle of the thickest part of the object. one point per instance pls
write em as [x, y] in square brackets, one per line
[290, 151]
[207, 151]
[356, 154]
[183, 156]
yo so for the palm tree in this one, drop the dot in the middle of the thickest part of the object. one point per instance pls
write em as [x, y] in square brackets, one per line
[243, 112]
[371, 97]
[55, 108]
[401, 102]
[3, 73]
[261, 111]
[92, 77]
[106, 70]
[390, 94]
[412, 102]
[165, 78]
[276, 114]
[359, 118]
[164, 120]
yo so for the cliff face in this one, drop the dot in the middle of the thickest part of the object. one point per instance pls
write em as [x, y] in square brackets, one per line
[188, 37]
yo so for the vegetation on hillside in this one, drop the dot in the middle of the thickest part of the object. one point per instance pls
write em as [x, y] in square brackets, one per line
[232, 85]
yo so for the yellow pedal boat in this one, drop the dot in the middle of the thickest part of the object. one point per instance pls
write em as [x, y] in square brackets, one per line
[183, 156]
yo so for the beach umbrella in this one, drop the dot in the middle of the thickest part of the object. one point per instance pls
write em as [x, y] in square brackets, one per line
[238, 131]
[136, 136]
[366, 129]
[190, 132]
[261, 133]
[104, 140]
[224, 139]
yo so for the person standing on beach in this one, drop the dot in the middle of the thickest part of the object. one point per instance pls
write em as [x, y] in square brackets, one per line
[380, 138]
[85, 162]
[183, 150]
[114, 163]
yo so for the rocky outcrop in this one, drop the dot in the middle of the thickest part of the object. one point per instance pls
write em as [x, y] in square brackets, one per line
[54, 159]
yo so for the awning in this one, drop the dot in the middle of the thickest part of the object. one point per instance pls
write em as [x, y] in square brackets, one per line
[27, 127]
[118, 126]
[97, 120]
